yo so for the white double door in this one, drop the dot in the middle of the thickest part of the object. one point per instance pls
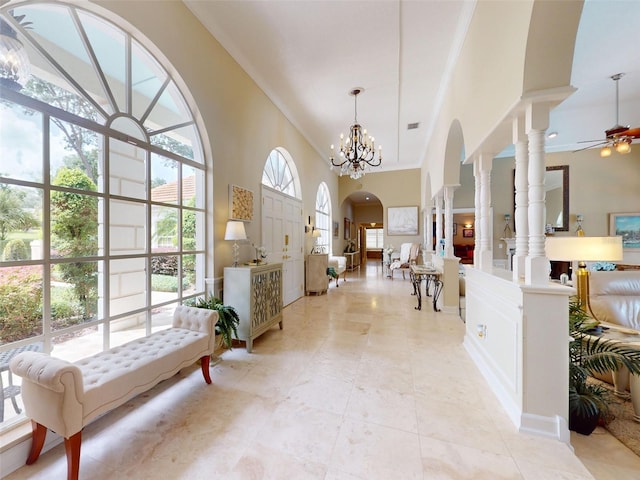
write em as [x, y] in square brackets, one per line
[283, 237]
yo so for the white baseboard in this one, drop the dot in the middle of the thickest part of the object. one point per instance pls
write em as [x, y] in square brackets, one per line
[552, 427]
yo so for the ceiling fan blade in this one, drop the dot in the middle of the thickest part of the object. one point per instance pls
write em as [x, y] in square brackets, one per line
[632, 132]
[592, 141]
[590, 146]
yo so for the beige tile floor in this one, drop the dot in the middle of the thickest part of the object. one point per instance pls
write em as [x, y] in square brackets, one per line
[358, 386]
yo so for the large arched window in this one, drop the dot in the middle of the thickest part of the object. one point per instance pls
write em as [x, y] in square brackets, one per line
[101, 188]
[323, 217]
[279, 173]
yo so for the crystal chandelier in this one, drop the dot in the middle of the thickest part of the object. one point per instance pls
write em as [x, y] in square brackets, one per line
[14, 63]
[357, 151]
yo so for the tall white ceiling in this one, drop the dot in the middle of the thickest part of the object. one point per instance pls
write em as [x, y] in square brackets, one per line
[307, 55]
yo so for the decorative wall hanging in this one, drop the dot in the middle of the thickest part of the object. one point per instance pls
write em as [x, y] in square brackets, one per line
[627, 226]
[240, 203]
[402, 220]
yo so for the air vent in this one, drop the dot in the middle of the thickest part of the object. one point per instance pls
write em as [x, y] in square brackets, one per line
[413, 126]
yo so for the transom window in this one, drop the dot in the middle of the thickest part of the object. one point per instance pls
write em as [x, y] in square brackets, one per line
[102, 198]
[277, 174]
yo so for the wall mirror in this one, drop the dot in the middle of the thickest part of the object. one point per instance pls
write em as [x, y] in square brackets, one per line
[556, 185]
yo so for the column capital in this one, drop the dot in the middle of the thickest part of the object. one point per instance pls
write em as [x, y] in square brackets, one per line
[537, 116]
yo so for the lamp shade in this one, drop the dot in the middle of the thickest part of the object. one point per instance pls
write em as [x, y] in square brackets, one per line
[316, 233]
[235, 231]
[584, 249]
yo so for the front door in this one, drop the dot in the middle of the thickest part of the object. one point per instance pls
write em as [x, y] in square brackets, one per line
[283, 235]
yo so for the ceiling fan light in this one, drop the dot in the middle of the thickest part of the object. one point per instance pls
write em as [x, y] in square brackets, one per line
[623, 147]
[605, 151]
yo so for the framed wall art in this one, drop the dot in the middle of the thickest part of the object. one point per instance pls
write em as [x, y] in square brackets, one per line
[627, 226]
[240, 203]
[336, 225]
[402, 220]
[467, 232]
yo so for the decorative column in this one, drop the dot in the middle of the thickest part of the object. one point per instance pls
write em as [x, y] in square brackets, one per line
[448, 220]
[438, 223]
[476, 221]
[485, 162]
[536, 264]
[428, 228]
[521, 214]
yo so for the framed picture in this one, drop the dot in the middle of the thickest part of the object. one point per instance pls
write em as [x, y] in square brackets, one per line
[240, 203]
[335, 228]
[627, 226]
[347, 229]
[402, 220]
[467, 232]
[455, 229]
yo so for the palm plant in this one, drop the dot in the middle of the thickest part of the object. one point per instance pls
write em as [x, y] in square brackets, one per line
[228, 318]
[589, 354]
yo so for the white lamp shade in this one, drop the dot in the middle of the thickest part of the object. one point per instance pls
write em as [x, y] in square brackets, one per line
[316, 233]
[235, 231]
[586, 249]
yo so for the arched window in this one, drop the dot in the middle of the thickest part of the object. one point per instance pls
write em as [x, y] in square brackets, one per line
[279, 173]
[323, 217]
[102, 178]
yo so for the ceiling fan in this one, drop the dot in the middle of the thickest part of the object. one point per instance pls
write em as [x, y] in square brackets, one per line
[618, 137]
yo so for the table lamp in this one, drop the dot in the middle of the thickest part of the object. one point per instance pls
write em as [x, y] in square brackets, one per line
[235, 231]
[315, 234]
[583, 249]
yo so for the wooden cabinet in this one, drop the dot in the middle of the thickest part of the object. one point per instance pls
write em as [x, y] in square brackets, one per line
[353, 260]
[256, 294]
[316, 278]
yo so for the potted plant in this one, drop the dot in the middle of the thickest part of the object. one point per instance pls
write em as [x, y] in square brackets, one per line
[588, 354]
[228, 319]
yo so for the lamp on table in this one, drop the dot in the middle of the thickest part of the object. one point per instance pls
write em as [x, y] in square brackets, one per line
[584, 249]
[235, 231]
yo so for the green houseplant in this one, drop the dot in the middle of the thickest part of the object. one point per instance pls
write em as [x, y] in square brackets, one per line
[591, 354]
[228, 318]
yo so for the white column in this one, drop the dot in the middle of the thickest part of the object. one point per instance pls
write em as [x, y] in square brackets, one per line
[448, 220]
[476, 222]
[438, 223]
[521, 214]
[485, 162]
[428, 228]
[537, 265]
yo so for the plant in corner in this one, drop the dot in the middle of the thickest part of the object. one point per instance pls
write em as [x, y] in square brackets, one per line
[588, 354]
[228, 318]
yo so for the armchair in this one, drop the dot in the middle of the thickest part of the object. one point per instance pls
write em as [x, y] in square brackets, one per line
[408, 254]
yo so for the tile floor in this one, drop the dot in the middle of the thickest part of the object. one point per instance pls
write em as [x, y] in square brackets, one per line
[358, 385]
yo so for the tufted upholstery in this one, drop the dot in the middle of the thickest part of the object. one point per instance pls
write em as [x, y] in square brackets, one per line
[66, 396]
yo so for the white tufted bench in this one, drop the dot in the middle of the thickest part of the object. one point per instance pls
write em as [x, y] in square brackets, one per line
[64, 396]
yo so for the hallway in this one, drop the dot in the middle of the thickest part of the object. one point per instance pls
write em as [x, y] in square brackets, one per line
[358, 385]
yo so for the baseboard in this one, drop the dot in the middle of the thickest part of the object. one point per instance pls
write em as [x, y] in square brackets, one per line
[15, 457]
[551, 427]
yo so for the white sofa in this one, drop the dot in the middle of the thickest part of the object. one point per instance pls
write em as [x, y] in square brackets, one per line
[65, 397]
[339, 264]
[614, 300]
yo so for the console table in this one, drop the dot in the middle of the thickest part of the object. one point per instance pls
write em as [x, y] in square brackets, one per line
[255, 291]
[353, 260]
[417, 273]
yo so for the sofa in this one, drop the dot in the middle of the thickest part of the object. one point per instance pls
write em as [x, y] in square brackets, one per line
[614, 300]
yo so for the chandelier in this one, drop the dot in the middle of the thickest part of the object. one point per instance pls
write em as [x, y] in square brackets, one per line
[14, 63]
[358, 150]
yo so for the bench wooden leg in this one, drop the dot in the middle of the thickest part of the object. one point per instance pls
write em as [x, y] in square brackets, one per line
[72, 446]
[204, 363]
[38, 435]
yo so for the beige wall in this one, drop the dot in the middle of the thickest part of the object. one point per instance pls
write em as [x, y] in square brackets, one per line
[240, 124]
[597, 187]
[394, 189]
